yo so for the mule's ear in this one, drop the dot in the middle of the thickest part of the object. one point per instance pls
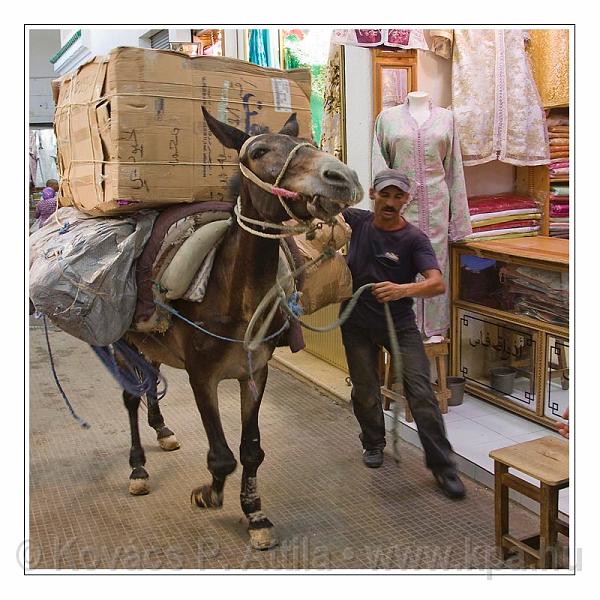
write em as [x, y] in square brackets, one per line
[291, 126]
[229, 136]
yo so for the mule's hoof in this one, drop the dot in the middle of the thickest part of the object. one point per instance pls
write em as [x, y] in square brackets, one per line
[138, 487]
[204, 497]
[169, 443]
[263, 539]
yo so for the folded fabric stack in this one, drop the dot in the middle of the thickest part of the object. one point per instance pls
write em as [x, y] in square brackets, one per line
[559, 210]
[502, 216]
[543, 295]
[558, 137]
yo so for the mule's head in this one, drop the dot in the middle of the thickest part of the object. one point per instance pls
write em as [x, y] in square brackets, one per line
[323, 185]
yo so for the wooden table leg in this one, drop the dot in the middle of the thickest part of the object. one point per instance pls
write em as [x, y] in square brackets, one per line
[548, 527]
[500, 508]
[440, 365]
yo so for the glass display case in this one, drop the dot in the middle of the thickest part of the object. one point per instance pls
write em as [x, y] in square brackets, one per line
[510, 319]
[498, 357]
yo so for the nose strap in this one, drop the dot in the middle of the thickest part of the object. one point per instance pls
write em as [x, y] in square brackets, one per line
[274, 188]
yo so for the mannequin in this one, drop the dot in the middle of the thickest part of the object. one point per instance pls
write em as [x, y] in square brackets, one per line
[420, 140]
[418, 106]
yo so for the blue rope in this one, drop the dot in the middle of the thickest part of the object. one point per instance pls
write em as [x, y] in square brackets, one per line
[294, 304]
[81, 421]
[219, 337]
[253, 387]
[139, 377]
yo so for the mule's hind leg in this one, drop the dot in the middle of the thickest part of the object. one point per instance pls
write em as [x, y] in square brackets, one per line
[166, 438]
[138, 480]
[251, 456]
[220, 459]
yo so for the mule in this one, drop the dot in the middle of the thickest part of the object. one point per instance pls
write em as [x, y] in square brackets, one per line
[244, 270]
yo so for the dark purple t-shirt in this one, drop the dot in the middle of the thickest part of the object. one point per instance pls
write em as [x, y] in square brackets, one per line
[376, 255]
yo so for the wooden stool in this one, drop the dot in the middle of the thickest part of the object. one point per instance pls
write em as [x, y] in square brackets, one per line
[547, 460]
[436, 350]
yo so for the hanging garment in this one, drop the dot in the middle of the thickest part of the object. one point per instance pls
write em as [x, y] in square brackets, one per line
[259, 52]
[549, 54]
[496, 104]
[430, 156]
[332, 138]
[46, 157]
[33, 155]
[393, 38]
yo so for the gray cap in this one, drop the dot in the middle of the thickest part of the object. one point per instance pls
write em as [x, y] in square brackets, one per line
[391, 177]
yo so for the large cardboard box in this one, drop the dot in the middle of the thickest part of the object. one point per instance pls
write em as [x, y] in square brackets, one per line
[131, 134]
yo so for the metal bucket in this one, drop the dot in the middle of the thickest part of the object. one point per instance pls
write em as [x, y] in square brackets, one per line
[503, 379]
[456, 385]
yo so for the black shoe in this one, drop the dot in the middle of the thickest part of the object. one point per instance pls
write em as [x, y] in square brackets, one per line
[450, 484]
[373, 458]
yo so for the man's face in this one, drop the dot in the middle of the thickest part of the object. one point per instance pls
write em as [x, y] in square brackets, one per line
[388, 202]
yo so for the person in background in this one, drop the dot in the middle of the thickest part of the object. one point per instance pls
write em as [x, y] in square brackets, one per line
[46, 207]
[388, 251]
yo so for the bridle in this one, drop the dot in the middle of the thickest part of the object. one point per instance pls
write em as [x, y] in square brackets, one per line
[272, 188]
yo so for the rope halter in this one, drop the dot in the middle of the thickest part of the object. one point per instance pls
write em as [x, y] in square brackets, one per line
[274, 189]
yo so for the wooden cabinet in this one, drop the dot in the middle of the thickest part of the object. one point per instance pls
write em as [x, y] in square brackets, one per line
[510, 315]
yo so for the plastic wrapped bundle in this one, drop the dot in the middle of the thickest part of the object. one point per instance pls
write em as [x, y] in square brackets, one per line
[82, 274]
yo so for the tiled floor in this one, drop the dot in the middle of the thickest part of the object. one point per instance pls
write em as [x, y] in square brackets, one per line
[329, 510]
[474, 428]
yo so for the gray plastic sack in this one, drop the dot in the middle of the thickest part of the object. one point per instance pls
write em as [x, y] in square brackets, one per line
[82, 272]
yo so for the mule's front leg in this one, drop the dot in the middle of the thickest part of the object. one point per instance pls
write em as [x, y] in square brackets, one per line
[166, 438]
[220, 459]
[138, 480]
[260, 528]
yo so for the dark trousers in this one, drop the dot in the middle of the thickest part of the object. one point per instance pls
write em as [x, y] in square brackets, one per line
[362, 352]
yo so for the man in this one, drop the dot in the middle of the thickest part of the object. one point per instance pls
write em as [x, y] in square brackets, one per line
[387, 250]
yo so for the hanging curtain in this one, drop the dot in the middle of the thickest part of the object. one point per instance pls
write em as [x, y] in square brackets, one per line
[332, 135]
[259, 51]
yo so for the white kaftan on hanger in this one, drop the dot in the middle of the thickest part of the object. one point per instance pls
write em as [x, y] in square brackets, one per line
[430, 156]
[495, 101]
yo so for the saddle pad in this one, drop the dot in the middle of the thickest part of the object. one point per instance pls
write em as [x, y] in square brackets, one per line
[170, 230]
[186, 262]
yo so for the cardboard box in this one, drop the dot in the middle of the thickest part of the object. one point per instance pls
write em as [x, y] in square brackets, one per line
[131, 134]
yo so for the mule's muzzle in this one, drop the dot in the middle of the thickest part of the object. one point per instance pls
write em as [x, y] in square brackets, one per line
[325, 208]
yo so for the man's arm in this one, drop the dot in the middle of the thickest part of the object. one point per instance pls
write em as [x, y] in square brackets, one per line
[433, 285]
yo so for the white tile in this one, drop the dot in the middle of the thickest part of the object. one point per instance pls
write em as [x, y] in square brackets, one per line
[468, 433]
[508, 424]
[534, 435]
[563, 501]
[474, 407]
[452, 416]
[525, 477]
[479, 454]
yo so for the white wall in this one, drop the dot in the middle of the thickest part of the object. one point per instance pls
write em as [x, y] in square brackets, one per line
[43, 44]
[434, 76]
[102, 41]
[359, 116]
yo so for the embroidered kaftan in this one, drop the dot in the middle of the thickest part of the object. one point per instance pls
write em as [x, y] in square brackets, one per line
[495, 101]
[430, 156]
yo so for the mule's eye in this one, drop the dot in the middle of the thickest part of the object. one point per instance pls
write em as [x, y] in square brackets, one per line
[258, 153]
